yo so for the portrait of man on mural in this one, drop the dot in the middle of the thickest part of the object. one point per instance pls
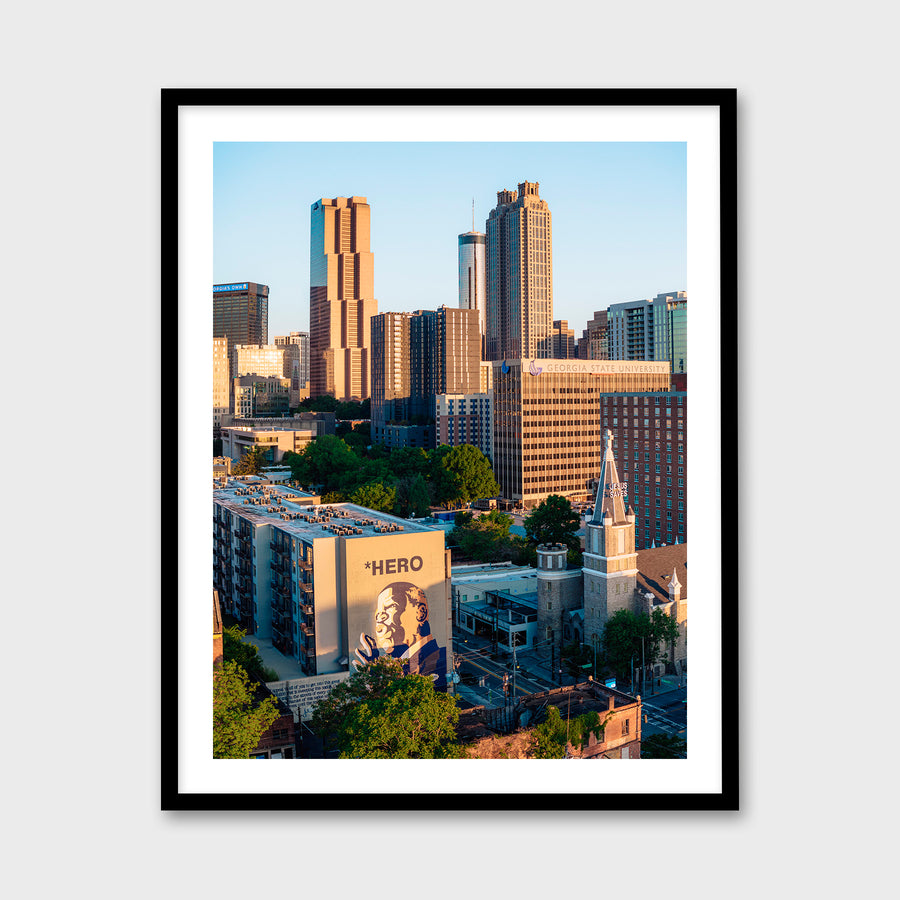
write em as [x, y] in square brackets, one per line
[402, 631]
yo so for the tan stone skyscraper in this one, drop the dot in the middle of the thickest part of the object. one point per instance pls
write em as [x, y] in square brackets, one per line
[341, 298]
[519, 250]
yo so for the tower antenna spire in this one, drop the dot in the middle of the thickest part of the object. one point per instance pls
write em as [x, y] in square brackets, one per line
[473, 215]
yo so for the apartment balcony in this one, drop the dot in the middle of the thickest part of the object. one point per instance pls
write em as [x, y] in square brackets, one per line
[304, 566]
[306, 588]
[307, 630]
[306, 609]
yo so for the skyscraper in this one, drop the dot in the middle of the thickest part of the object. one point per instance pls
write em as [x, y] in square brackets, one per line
[341, 298]
[296, 361]
[518, 248]
[472, 275]
[415, 357]
[241, 313]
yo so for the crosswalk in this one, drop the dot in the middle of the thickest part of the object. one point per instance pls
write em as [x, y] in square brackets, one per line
[660, 720]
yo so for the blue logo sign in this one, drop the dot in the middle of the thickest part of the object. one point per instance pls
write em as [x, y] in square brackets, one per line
[217, 288]
[504, 368]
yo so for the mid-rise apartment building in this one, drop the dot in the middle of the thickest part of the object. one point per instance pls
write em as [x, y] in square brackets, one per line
[548, 422]
[465, 419]
[650, 329]
[296, 362]
[274, 440]
[328, 585]
[341, 298]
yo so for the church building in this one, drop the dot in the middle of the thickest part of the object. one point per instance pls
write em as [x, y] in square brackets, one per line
[574, 604]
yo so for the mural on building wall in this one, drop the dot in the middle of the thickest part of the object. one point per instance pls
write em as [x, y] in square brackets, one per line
[397, 601]
[402, 631]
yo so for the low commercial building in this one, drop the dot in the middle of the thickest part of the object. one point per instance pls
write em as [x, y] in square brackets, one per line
[275, 440]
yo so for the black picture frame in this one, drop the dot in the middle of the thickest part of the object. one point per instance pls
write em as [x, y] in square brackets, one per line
[176, 100]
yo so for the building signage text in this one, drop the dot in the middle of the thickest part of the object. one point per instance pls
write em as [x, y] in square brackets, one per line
[617, 489]
[394, 566]
[217, 288]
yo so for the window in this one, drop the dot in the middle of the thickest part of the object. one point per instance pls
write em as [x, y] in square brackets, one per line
[626, 726]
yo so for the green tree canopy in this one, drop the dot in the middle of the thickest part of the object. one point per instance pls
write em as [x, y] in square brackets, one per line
[375, 495]
[622, 638]
[380, 713]
[663, 746]
[553, 522]
[239, 721]
[236, 649]
[324, 462]
[548, 740]
[251, 462]
[413, 498]
[473, 471]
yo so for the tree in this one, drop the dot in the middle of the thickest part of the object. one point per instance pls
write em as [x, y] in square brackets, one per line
[663, 746]
[412, 496]
[553, 522]
[251, 462]
[622, 636]
[473, 470]
[549, 739]
[236, 649]
[323, 462]
[375, 495]
[239, 720]
[380, 713]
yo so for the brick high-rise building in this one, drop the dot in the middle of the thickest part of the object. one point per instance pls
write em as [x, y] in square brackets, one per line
[518, 247]
[341, 298]
[650, 432]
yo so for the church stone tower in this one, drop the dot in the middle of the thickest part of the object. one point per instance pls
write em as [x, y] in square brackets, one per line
[610, 559]
[559, 592]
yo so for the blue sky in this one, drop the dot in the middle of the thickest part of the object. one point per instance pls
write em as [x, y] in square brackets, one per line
[619, 217]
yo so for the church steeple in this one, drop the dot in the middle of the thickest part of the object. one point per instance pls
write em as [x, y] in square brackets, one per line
[610, 500]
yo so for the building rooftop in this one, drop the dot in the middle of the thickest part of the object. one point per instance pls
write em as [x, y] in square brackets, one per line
[655, 566]
[290, 509]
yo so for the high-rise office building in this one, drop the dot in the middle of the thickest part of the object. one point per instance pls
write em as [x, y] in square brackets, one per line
[547, 422]
[415, 357]
[221, 382]
[241, 313]
[518, 247]
[390, 371]
[341, 298]
[563, 340]
[472, 275]
[650, 329]
[593, 343]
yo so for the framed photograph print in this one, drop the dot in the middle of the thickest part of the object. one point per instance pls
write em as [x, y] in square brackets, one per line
[453, 461]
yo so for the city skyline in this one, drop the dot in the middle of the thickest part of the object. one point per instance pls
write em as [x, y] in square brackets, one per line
[619, 217]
